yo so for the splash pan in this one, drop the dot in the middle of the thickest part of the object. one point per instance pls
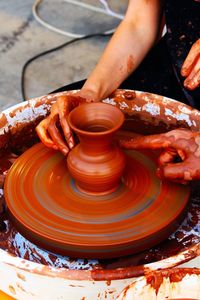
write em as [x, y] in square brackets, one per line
[47, 208]
[28, 269]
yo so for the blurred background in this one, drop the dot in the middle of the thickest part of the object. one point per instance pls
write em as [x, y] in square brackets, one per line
[28, 28]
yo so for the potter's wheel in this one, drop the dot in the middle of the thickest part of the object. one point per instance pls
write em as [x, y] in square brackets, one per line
[46, 206]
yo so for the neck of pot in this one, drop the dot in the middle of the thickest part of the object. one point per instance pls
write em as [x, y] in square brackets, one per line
[96, 144]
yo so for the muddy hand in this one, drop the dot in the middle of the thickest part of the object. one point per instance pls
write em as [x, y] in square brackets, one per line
[181, 143]
[191, 67]
[48, 130]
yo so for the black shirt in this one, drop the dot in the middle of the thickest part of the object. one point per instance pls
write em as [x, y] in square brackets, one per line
[183, 29]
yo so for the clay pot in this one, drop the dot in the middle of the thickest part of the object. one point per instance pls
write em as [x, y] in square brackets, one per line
[96, 163]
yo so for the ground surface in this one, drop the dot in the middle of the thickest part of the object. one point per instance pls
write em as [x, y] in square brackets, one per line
[22, 37]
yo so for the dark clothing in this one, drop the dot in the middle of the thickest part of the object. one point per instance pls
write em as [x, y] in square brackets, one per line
[159, 72]
[183, 29]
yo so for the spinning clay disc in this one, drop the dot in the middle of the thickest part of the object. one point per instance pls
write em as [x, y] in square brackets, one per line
[47, 207]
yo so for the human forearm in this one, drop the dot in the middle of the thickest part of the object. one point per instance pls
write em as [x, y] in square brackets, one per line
[118, 62]
[127, 48]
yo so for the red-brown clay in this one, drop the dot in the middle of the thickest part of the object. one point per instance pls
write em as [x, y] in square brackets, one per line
[181, 143]
[162, 284]
[96, 163]
[130, 64]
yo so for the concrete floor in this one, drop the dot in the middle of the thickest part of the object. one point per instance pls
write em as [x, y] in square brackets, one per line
[22, 37]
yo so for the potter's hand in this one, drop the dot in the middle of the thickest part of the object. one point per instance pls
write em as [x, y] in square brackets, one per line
[49, 130]
[180, 143]
[191, 67]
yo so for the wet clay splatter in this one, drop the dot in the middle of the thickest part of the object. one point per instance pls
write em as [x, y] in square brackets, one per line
[130, 64]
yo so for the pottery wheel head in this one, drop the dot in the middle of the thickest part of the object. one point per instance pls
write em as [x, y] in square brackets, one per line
[47, 208]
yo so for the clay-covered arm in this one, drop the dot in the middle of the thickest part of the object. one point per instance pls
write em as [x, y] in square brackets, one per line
[129, 45]
[181, 143]
[191, 67]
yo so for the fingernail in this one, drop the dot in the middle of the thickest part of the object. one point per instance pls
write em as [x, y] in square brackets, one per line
[71, 144]
[65, 151]
[183, 72]
[186, 84]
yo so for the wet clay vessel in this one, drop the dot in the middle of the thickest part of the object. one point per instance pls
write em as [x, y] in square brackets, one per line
[96, 163]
